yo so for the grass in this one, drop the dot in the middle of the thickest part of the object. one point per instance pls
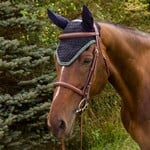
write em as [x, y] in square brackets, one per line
[114, 138]
[103, 129]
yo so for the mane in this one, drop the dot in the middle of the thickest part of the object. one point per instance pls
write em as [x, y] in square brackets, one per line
[134, 37]
[131, 30]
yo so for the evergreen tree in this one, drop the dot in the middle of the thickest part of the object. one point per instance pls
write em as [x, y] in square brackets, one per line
[26, 76]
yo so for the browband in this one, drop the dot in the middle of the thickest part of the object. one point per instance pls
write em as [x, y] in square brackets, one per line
[77, 34]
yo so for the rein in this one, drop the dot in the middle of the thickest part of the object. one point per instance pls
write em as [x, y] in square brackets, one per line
[85, 92]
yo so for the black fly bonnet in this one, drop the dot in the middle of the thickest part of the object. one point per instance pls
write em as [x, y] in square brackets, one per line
[70, 48]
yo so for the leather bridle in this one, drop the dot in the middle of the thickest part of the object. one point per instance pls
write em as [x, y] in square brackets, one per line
[84, 93]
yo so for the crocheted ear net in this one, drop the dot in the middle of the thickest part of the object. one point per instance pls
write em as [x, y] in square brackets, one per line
[69, 49]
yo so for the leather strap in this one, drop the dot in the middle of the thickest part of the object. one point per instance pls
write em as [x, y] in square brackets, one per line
[86, 89]
[77, 35]
[69, 86]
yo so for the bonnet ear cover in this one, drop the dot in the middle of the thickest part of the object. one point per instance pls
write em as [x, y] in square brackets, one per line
[87, 19]
[70, 49]
[57, 19]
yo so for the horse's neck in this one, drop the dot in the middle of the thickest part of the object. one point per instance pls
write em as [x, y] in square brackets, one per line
[127, 60]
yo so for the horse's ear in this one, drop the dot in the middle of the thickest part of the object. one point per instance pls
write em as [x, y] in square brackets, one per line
[87, 19]
[57, 19]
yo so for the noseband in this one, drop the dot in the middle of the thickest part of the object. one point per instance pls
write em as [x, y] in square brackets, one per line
[85, 92]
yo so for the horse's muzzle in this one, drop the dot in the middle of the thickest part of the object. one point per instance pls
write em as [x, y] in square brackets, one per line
[58, 127]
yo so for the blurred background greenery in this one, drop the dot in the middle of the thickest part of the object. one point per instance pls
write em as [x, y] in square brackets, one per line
[27, 73]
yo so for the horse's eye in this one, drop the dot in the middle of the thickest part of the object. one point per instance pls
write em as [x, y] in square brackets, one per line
[87, 61]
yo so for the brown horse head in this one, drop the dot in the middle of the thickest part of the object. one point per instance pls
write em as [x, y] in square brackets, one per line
[81, 70]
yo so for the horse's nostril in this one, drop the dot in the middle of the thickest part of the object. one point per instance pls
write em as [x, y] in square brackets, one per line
[62, 125]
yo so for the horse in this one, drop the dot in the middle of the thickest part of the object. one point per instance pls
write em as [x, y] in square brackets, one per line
[89, 54]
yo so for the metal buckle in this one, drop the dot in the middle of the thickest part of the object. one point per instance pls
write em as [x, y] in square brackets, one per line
[82, 105]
